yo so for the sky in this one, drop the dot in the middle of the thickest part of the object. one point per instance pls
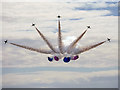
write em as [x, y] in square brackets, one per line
[97, 68]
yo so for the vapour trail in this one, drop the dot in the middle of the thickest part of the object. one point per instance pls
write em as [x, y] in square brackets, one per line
[81, 50]
[73, 44]
[48, 43]
[60, 38]
[33, 49]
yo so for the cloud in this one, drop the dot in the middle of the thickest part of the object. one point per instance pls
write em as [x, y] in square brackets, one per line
[17, 19]
[18, 57]
[60, 1]
[0, 80]
[20, 20]
[51, 77]
[97, 6]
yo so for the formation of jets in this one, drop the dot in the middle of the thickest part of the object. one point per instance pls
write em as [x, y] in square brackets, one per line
[71, 53]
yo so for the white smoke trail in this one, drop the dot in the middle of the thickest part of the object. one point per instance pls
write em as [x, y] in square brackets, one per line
[48, 43]
[60, 38]
[73, 44]
[81, 50]
[33, 49]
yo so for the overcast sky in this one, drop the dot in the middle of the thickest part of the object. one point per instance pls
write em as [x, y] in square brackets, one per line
[96, 68]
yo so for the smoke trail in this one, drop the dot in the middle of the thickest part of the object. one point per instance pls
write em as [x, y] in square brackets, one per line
[60, 38]
[48, 43]
[88, 48]
[73, 44]
[32, 49]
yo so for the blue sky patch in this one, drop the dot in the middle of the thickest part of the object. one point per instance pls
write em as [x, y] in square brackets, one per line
[24, 30]
[56, 31]
[60, 69]
[75, 18]
[113, 9]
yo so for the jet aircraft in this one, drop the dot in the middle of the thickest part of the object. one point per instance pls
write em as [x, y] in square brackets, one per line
[5, 41]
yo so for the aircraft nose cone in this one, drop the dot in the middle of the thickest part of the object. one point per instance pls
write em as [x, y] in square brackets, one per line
[56, 58]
